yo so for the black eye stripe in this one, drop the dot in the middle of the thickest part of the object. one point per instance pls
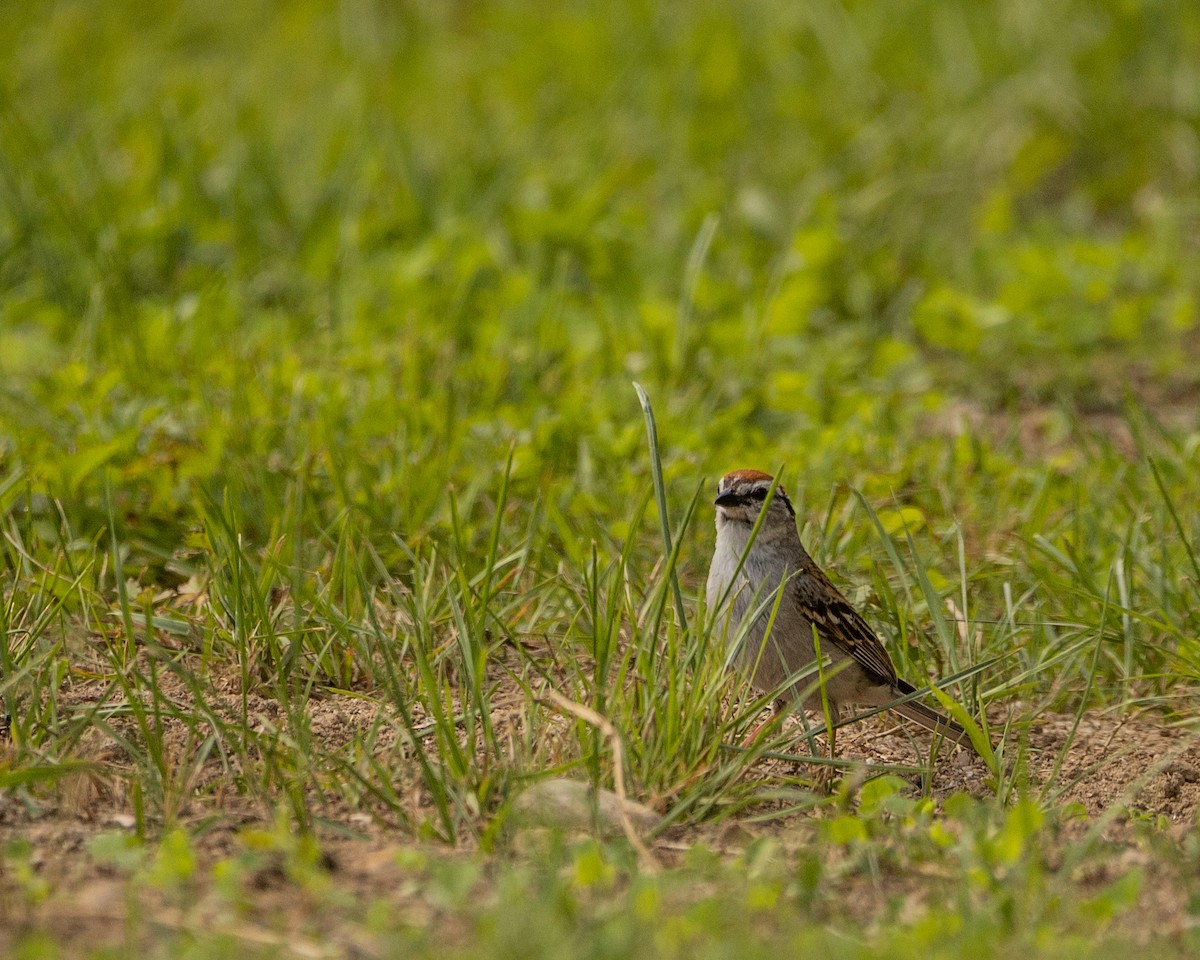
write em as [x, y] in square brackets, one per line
[758, 493]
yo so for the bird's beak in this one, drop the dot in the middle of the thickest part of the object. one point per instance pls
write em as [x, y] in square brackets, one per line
[727, 499]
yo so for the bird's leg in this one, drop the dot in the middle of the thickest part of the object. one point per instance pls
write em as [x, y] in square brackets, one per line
[777, 707]
[829, 771]
[829, 711]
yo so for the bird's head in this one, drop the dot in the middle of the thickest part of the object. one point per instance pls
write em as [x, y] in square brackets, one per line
[742, 494]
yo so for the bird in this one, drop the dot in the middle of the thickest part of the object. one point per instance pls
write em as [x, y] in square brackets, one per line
[776, 563]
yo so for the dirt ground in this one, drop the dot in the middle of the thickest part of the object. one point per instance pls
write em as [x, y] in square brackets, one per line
[1112, 762]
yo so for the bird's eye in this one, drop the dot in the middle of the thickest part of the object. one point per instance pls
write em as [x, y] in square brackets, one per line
[759, 494]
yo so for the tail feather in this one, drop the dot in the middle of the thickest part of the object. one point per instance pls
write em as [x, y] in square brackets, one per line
[933, 721]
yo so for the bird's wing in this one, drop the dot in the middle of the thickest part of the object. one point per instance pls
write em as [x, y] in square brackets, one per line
[840, 623]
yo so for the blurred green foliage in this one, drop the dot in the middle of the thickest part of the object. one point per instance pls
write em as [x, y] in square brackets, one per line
[382, 242]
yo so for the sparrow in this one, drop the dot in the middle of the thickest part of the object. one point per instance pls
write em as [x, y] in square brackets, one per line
[860, 670]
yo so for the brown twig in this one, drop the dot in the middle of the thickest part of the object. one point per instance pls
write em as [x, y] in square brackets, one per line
[604, 725]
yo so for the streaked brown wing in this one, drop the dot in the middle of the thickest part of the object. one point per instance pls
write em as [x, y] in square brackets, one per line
[840, 623]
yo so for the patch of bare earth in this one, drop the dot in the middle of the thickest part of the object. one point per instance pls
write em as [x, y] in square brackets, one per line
[1137, 764]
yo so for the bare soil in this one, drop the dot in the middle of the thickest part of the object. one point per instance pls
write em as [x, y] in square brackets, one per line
[1136, 765]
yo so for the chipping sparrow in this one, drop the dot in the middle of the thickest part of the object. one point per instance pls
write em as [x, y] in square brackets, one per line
[861, 671]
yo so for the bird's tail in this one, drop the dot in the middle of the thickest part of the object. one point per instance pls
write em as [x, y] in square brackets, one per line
[933, 721]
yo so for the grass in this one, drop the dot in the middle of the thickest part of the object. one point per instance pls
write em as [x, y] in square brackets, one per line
[332, 520]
